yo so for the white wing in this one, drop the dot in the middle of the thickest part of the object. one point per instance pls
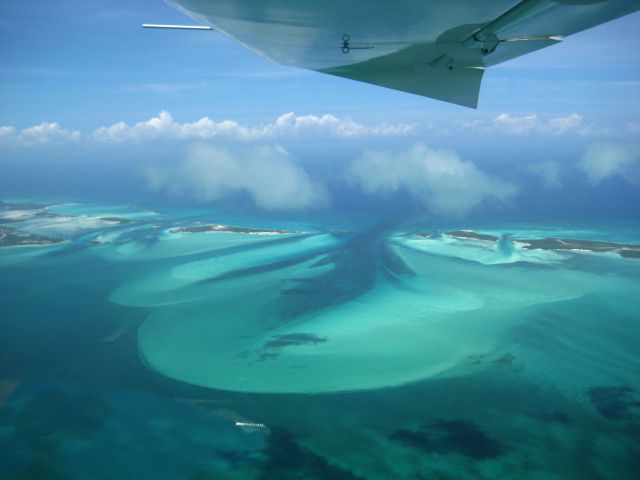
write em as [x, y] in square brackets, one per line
[434, 48]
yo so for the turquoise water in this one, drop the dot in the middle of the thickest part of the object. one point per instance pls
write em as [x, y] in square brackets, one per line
[130, 350]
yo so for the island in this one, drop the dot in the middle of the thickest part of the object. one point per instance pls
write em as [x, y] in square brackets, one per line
[230, 229]
[625, 250]
[470, 234]
[10, 238]
[118, 220]
[22, 206]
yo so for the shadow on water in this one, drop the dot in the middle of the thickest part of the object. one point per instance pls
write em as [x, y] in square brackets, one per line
[287, 460]
[357, 264]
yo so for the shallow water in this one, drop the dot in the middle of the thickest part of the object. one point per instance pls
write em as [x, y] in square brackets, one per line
[132, 351]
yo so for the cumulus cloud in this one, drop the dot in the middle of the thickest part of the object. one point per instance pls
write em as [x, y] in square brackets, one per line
[7, 134]
[548, 173]
[268, 174]
[515, 125]
[45, 133]
[289, 124]
[446, 184]
[605, 160]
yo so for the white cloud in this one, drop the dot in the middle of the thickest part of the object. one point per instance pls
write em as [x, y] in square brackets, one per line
[7, 134]
[45, 133]
[516, 125]
[289, 124]
[446, 184]
[548, 173]
[346, 128]
[560, 125]
[605, 160]
[306, 127]
[533, 123]
[267, 173]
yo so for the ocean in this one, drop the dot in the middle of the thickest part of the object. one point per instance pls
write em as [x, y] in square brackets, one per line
[148, 342]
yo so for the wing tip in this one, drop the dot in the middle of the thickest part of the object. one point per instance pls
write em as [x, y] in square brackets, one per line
[460, 86]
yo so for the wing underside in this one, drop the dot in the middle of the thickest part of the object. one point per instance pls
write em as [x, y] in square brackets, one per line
[432, 48]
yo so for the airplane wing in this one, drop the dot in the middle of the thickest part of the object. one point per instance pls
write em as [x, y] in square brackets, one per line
[433, 48]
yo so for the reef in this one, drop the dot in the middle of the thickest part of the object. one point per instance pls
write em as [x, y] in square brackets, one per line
[281, 341]
[451, 436]
[287, 460]
[613, 402]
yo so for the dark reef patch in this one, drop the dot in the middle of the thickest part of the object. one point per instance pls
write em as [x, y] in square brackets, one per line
[118, 220]
[505, 360]
[613, 402]
[48, 420]
[281, 341]
[287, 460]
[451, 436]
[56, 412]
[272, 349]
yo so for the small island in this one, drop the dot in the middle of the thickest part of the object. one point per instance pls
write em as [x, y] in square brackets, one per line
[22, 206]
[470, 234]
[10, 238]
[118, 220]
[625, 250]
[230, 229]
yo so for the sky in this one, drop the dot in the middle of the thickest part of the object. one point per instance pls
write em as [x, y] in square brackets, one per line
[91, 104]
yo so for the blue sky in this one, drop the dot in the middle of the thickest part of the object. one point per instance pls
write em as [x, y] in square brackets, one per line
[561, 121]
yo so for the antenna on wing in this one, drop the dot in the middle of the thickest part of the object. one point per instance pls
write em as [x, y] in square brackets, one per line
[346, 46]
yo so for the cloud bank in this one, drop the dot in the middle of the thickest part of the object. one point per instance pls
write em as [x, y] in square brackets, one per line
[289, 124]
[44, 133]
[268, 174]
[444, 183]
[523, 125]
[603, 161]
